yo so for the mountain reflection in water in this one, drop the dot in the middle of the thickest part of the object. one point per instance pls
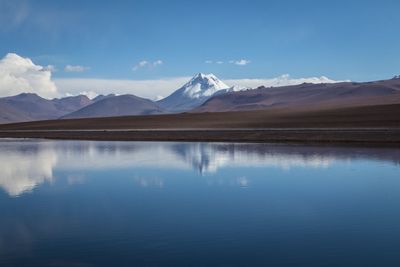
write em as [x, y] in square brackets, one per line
[25, 165]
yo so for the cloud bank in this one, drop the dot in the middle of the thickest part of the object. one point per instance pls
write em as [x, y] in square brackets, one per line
[152, 89]
[18, 75]
[157, 89]
[283, 80]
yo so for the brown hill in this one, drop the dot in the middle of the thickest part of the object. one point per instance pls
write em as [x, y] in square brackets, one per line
[72, 103]
[366, 116]
[31, 107]
[307, 96]
[10, 114]
[112, 106]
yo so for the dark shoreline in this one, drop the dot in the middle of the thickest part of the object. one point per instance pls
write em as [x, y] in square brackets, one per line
[388, 136]
[379, 124]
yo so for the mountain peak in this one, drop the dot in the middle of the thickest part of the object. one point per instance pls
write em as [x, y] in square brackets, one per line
[204, 76]
[193, 93]
[202, 85]
[27, 94]
[201, 76]
[26, 97]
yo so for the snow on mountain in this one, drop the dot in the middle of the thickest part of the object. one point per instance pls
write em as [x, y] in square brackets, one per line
[282, 80]
[203, 86]
[193, 93]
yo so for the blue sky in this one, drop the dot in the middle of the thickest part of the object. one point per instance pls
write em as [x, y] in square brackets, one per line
[357, 40]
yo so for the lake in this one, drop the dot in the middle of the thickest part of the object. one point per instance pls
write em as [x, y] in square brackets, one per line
[86, 203]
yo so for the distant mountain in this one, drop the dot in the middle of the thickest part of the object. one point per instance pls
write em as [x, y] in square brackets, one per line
[30, 107]
[306, 96]
[122, 105]
[72, 103]
[204, 86]
[101, 97]
[206, 93]
[33, 106]
[10, 114]
[200, 88]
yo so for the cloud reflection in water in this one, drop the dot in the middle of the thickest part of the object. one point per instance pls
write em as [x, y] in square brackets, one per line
[26, 164]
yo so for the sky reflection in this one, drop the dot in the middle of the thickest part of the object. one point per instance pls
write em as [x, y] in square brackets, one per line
[77, 203]
[27, 164]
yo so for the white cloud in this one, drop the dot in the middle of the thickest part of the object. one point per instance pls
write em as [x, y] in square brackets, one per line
[141, 64]
[219, 62]
[75, 68]
[240, 62]
[51, 68]
[145, 63]
[158, 62]
[18, 75]
[89, 94]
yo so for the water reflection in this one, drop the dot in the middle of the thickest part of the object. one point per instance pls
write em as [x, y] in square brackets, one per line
[23, 167]
[27, 164]
[69, 203]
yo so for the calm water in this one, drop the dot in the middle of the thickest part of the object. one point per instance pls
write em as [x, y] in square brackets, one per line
[71, 203]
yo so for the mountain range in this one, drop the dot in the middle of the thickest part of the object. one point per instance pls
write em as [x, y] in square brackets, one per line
[204, 93]
[307, 96]
[121, 105]
[30, 107]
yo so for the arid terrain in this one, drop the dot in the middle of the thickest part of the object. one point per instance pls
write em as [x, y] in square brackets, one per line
[379, 123]
[328, 112]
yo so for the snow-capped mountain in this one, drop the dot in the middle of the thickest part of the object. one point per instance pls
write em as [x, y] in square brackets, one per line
[203, 86]
[194, 93]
